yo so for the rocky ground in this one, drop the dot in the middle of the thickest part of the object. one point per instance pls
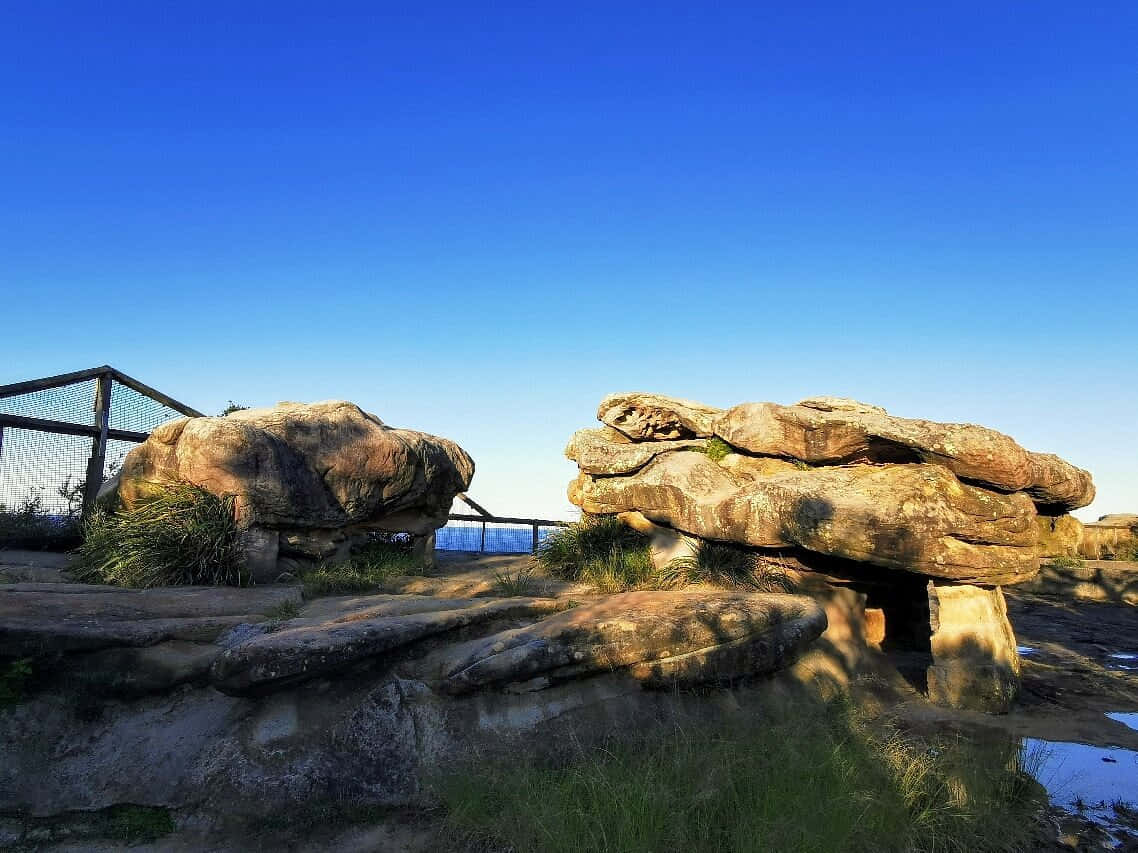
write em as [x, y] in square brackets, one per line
[1075, 669]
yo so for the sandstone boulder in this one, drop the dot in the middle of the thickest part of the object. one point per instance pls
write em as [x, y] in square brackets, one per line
[918, 518]
[660, 638]
[608, 451]
[831, 432]
[1059, 535]
[305, 476]
[656, 417]
[975, 662]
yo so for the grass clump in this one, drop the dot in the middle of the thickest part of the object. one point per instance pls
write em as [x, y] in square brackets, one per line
[1065, 562]
[717, 449]
[14, 675]
[134, 824]
[284, 611]
[369, 567]
[807, 779]
[724, 564]
[598, 550]
[512, 584]
[181, 534]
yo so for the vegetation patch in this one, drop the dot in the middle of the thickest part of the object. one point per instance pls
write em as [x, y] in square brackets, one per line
[32, 527]
[601, 551]
[724, 564]
[134, 824]
[808, 779]
[1064, 562]
[717, 449]
[511, 584]
[284, 611]
[369, 567]
[181, 534]
[612, 557]
[14, 676]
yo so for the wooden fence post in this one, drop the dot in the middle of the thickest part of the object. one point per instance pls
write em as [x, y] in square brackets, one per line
[534, 549]
[99, 444]
[482, 547]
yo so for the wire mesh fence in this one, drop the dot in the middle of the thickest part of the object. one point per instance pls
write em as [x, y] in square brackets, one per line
[57, 432]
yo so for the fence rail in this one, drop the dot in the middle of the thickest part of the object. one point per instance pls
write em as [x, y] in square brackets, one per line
[503, 534]
[45, 470]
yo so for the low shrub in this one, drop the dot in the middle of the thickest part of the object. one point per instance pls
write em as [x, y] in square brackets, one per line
[802, 779]
[598, 550]
[32, 527]
[182, 534]
[717, 449]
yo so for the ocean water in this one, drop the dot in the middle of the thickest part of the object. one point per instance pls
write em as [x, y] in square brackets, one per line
[500, 538]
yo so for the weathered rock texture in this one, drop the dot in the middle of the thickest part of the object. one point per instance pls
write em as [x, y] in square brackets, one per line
[196, 700]
[836, 477]
[306, 477]
[975, 662]
[845, 482]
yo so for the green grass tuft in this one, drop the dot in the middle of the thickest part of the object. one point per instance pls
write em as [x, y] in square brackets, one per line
[134, 824]
[598, 550]
[14, 675]
[182, 534]
[284, 611]
[369, 567]
[1065, 562]
[513, 584]
[805, 779]
[725, 564]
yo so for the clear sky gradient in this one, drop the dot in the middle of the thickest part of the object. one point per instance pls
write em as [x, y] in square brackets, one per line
[478, 219]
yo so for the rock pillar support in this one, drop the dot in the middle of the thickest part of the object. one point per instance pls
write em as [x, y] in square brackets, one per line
[975, 663]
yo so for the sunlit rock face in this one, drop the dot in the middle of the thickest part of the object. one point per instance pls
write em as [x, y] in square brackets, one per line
[835, 477]
[305, 477]
[844, 488]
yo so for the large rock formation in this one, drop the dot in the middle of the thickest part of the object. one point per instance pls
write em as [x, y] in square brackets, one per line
[197, 700]
[306, 477]
[843, 483]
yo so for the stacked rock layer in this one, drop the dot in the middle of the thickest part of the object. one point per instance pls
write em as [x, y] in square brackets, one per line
[835, 477]
[952, 510]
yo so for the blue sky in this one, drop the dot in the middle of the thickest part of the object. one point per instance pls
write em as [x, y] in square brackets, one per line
[478, 221]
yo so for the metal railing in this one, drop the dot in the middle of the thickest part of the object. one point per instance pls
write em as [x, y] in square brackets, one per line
[484, 532]
[61, 435]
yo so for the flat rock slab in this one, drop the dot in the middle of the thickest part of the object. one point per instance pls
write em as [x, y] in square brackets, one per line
[659, 637]
[307, 648]
[51, 618]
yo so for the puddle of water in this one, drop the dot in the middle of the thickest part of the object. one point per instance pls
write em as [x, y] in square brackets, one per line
[1133, 656]
[1074, 771]
[1025, 650]
[1129, 718]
